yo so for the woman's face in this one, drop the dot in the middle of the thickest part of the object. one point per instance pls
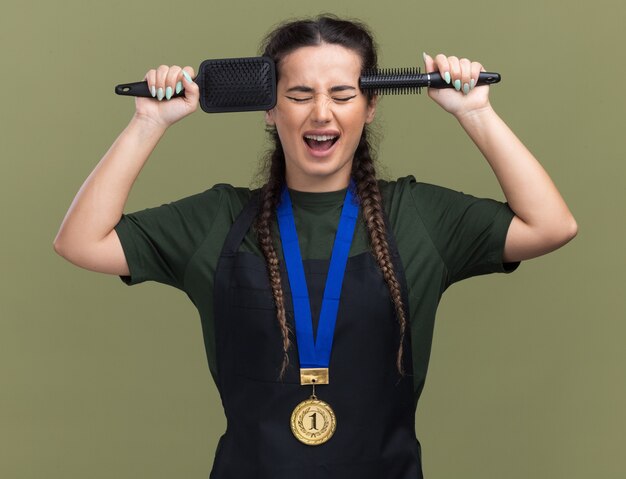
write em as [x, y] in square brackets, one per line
[319, 115]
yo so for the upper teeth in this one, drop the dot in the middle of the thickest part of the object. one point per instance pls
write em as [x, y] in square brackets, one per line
[320, 137]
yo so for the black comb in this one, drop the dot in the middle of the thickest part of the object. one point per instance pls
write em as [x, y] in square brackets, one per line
[396, 81]
[249, 84]
[226, 85]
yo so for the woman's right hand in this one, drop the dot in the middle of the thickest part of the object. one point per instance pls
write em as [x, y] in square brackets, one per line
[163, 82]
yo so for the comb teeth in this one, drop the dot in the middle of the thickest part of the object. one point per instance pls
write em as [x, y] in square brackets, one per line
[237, 84]
[393, 81]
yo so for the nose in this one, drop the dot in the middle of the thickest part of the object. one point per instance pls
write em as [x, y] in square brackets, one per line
[322, 109]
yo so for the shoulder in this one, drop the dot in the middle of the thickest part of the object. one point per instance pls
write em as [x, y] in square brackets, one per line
[220, 192]
[428, 199]
[408, 184]
[220, 199]
[395, 191]
[407, 192]
[441, 211]
[195, 214]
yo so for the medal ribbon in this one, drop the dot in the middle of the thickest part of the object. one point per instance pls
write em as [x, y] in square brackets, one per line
[316, 353]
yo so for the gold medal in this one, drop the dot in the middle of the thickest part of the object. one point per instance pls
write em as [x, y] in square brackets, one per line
[313, 422]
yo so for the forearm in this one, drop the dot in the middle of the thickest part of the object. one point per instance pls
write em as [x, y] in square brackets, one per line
[528, 189]
[99, 203]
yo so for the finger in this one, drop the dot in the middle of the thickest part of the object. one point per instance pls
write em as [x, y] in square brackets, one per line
[455, 72]
[466, 73]
[161, 75]
[171, 80]
[476, 69]
[443, 66]
[192, 91]
[150, 78]
[429, 63]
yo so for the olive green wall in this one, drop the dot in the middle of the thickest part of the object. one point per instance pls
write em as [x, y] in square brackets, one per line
[99, 380]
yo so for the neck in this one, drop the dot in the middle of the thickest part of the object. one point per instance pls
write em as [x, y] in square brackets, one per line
[317, 184]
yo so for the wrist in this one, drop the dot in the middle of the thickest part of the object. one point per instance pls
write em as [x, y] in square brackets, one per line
[147, 125]
[475, 116]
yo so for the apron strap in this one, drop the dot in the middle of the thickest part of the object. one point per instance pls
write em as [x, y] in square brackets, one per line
[240, 227]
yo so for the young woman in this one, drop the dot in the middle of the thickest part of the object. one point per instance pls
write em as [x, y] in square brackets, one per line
[317, 293]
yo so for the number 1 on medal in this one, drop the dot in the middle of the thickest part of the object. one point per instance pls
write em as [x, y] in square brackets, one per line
[314, 421]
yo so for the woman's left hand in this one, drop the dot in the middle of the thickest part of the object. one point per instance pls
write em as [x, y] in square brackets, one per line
[462, 73]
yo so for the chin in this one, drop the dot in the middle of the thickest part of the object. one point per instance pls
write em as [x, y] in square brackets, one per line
[321, 177]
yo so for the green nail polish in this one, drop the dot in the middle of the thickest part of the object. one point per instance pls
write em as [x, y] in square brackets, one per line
[153, 91]
[187, 76]
[466, 88]
[179, 87]
[446, 77]
[160, 94]
[457, 85]
[168, 92]
[472, 83]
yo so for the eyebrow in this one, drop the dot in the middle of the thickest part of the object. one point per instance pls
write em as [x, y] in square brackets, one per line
[308, 89]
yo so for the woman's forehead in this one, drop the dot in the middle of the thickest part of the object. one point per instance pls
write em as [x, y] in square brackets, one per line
[323, 64]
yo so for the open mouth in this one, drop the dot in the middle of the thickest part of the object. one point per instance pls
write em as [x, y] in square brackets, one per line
[320, 142]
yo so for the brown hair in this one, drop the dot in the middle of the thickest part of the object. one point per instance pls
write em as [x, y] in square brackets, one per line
[278, 43]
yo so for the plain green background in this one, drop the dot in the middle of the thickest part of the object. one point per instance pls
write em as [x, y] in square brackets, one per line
[99, 380]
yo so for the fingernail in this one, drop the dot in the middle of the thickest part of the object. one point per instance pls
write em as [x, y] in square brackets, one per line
[153, 91]
[472, 83]
[466, 88]
[187, 77]
[424, 57]
[446, 77]
[179, 87]
[457, 85]
[160, 94]
[168, 92]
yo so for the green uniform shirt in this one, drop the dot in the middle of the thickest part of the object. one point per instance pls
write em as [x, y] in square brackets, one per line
[443, 236]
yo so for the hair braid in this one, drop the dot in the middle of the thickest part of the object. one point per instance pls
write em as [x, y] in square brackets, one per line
[364, 175]
[270, 197]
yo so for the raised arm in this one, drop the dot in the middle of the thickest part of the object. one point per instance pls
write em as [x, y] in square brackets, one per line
[542, 221]
[87, 236]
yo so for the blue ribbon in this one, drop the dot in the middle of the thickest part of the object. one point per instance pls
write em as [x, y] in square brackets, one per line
[316, 353]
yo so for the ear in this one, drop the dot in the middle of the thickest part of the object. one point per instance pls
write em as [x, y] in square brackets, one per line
[269, 118]
[371, 110]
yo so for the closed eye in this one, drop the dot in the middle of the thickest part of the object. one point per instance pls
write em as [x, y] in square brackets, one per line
[346, 98]
[299, 100]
